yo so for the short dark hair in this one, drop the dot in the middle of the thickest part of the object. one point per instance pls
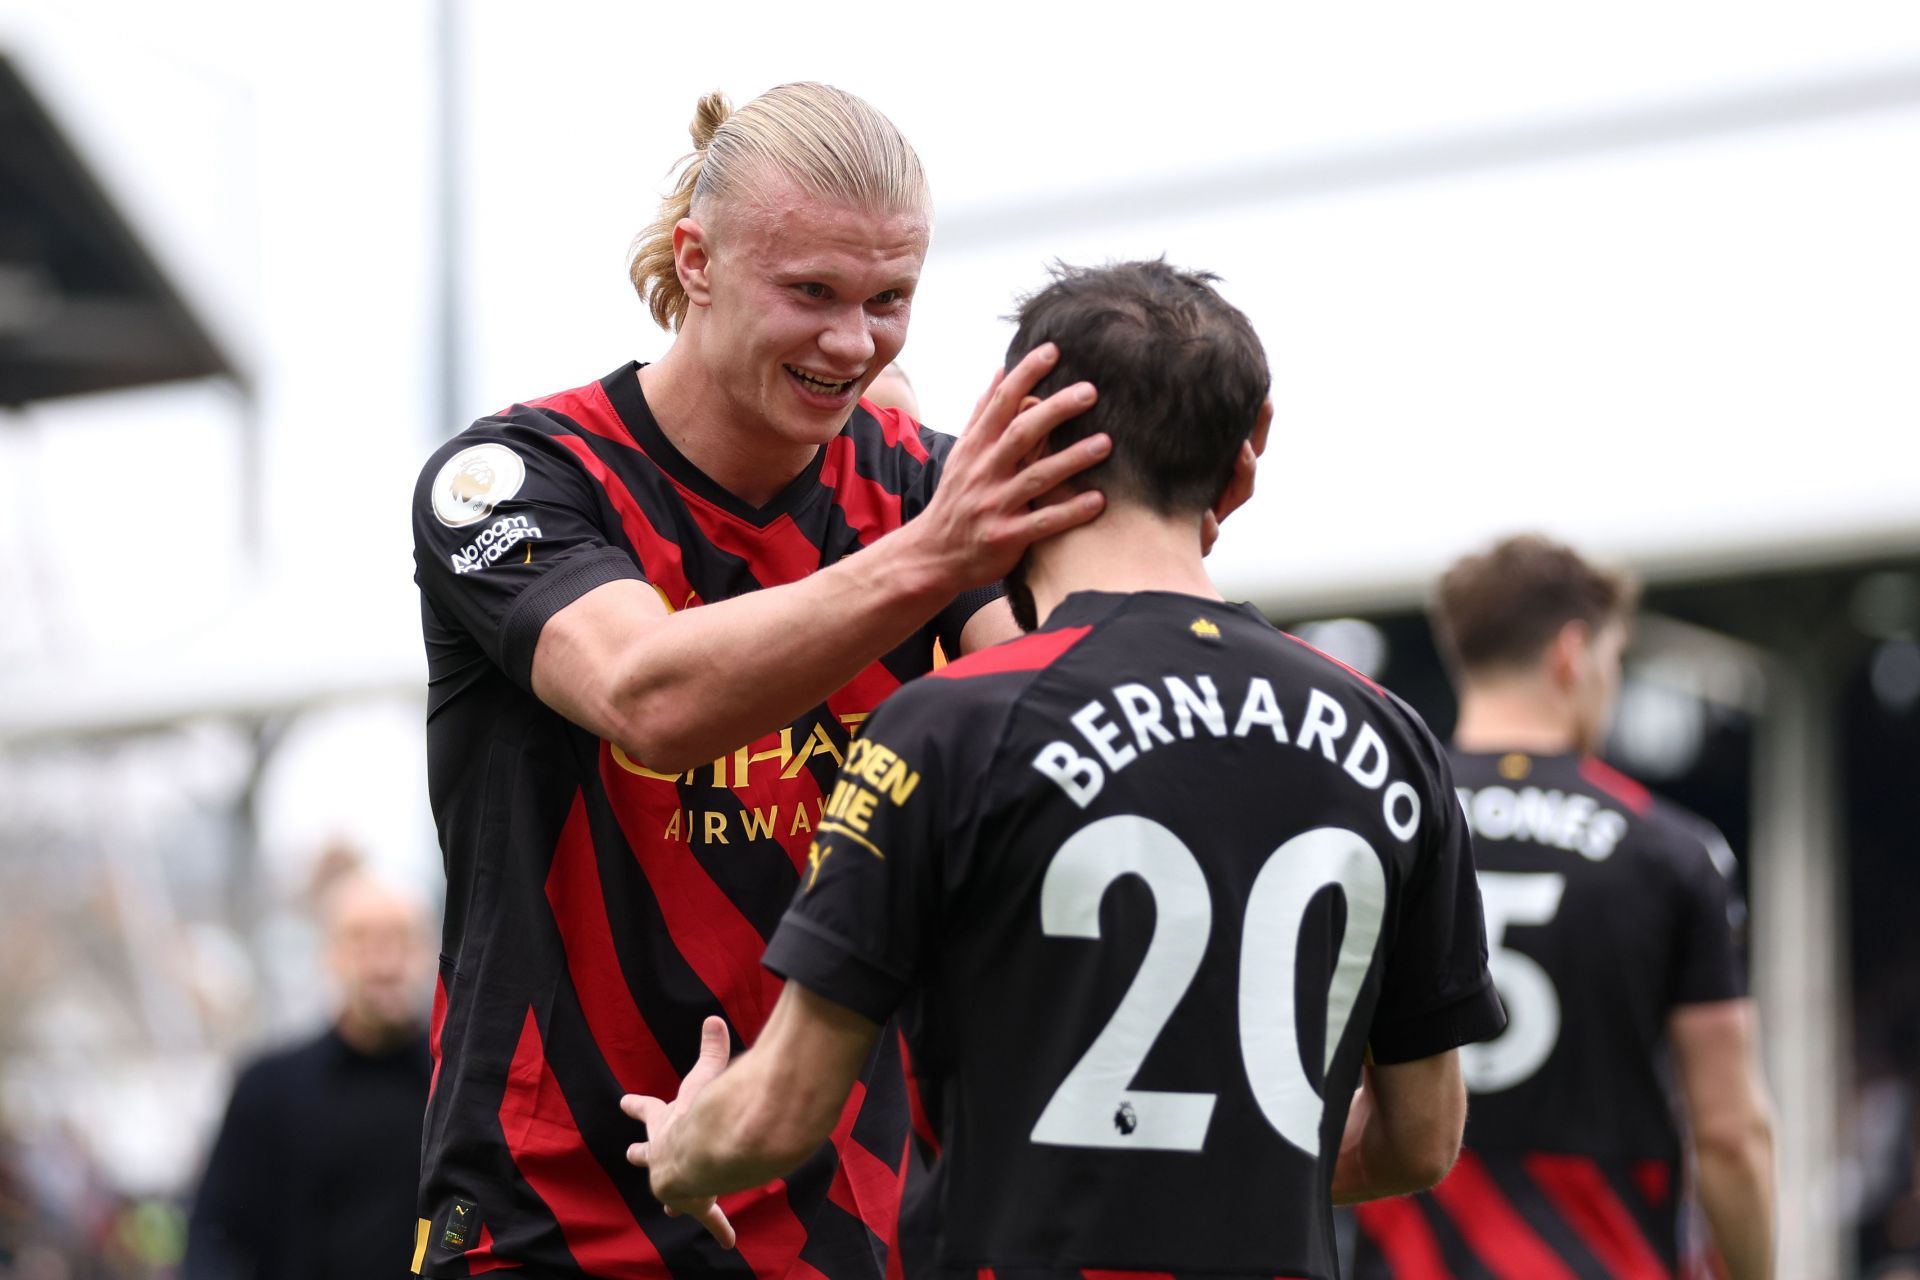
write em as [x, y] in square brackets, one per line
[1500, 609]
[1179, 371]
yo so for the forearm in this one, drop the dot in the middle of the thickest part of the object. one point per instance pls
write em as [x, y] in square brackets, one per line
[707, 681]
[1735, 1181]
[1731, 1122]
[1368, 1167]
[1403, 1129]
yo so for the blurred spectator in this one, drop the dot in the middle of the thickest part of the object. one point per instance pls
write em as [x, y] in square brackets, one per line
[891, 390]
[314, 1169]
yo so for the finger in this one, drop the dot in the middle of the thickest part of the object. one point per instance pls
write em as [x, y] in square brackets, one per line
[1035, 424]
[1057, 516]
[642, 1108]
[980, 405]
[1049, 470]
[714, 1050]
[715, 1044]
[714, 1219]
[1003, 402]
[637, 1154]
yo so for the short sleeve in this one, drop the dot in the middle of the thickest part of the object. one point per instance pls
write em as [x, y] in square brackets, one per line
[869, 904]
[1438, 993]
[1707, 959]
[506, 533]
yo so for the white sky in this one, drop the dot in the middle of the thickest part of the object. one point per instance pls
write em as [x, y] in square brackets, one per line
[1698, 349]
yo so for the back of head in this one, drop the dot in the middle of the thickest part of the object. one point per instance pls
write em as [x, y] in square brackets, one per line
[1180, 376]
[1497, 611]
[826, 141]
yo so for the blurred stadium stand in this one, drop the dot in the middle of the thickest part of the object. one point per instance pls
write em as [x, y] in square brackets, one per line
[84, 308]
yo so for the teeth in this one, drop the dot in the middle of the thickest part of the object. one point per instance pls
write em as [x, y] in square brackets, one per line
[822, 384]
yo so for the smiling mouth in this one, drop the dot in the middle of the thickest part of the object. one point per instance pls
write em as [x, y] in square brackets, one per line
[817, 384]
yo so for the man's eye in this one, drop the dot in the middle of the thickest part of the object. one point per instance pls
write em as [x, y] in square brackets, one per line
[814, 290]
[888, 298]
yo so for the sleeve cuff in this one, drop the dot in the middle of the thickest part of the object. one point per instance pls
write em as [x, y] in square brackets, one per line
[1475, 1016]
[825, 964]
[954, 618]
[556, 589]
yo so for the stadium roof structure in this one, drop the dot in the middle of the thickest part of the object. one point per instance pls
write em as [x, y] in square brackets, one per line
[84, 307]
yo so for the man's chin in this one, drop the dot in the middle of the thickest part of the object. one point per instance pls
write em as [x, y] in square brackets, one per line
[813, 428]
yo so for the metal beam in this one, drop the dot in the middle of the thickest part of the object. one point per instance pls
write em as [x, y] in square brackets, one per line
[1773, 106]
[1800, 925]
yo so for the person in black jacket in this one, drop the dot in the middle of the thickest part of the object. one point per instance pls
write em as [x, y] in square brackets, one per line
[313, 1173]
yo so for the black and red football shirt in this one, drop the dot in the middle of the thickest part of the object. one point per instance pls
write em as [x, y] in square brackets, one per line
[1144, 886]
[1606, 909]
[597, 909]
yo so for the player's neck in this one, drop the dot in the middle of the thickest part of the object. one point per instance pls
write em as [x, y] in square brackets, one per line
[1126, 549]
[691, 410]
[1520, 714]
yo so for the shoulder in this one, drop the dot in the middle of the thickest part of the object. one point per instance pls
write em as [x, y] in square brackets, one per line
[503, 443]
[1689, 839]
[960, 708]
[1667, 832]
[890, 434]
[1333, 675]
[1393, 713]
[531, 452]
[278, 1072]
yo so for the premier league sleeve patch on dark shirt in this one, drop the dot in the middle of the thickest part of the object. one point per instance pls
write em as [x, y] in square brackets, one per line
[474, 481]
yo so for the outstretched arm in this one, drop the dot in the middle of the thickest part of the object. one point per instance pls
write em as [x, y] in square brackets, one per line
[738, 1128]
[670, 688]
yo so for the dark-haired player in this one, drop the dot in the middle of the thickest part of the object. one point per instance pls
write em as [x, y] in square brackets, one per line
[1145, 886]
[649, 639]
[1612, 921]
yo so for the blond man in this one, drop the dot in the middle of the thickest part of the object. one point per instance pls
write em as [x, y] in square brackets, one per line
[650, 641]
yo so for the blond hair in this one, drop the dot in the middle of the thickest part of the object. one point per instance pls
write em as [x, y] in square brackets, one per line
[832, 144]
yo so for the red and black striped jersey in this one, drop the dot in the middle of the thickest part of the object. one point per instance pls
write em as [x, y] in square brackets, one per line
[1144, 886]
[597, 909]
[1606, 909]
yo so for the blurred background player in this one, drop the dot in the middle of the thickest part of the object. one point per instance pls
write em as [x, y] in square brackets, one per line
[649, 640]
[313, 1173]
[1095, 868]
[892, 390]
[1613, 923]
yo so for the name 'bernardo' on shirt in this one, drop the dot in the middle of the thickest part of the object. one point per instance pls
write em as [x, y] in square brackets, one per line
[1322, 724]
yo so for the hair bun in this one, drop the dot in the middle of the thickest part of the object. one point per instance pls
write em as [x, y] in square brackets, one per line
[708, 115]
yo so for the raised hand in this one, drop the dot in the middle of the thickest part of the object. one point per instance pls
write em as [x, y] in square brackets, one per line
[981, 518]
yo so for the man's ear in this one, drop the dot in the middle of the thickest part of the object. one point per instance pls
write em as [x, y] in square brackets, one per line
[693, 260]
[1261, 421]
[1240, 484]
[1567, 655]
[1245, 463]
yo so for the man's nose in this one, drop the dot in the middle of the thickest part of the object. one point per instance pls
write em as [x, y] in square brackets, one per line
[848, 340]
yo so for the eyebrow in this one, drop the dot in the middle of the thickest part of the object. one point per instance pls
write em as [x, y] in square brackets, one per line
[814, 272]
